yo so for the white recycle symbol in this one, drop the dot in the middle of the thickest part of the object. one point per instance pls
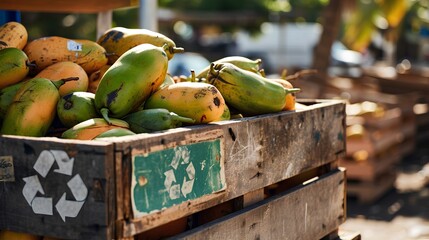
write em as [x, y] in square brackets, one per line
[181, 156]
[43, 205]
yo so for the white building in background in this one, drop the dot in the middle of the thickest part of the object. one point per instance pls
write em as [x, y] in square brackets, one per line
[281, 45]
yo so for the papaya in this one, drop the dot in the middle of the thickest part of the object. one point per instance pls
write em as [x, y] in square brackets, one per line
[290, 98]
[152, 120]
[137, 74]
[76, 107]
[6, 97]
[115, 132]
[118, 40]
[33, 108]
[13, 35]
[91, 128]
[95, 78]
[46, 51]
[12, 235]
[248, 92]
[14, 66]
[62, 70]
[239, 61]
[200, 101]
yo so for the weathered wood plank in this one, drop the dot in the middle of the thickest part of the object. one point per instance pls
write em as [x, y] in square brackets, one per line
[259, 151]
[370, 169]
[307, 212]
[368, 192]
[61, 188]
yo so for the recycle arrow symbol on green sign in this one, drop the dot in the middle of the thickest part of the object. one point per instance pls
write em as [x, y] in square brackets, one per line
[181, 157]
[44, 205]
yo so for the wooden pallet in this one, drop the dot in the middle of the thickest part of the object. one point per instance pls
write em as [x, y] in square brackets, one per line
[367, 192]
[122, 187]
[375, 142]
[370, 169]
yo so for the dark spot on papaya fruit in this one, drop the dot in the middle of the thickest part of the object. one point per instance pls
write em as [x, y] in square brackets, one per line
[203, 117]
[3, 43]
[216, 101]
[200, 94]
[111, 97]
[213, 90]
[114, 35]
[68, 105]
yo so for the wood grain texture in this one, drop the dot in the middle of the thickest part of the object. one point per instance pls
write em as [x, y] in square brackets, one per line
[307, 212]
[92, 161]
[259, 151]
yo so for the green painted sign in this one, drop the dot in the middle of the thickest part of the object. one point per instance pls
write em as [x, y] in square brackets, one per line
[171, 176]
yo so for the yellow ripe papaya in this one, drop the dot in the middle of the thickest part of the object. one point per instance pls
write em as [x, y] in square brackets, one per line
[13, 66]
[33, 108]
[46, 51]
[197, 100]
[118, 40]
[62, 70]
[13, 34]
[95, 78]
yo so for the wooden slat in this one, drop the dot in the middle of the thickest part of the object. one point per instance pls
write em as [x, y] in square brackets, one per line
[308, 212]
[368, 192]
[93, 162]
[259, 151]
[371, 169]
[77, 6]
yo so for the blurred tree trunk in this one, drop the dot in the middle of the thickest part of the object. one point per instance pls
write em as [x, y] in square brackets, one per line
[331, 22]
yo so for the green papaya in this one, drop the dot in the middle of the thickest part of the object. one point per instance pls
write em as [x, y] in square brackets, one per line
[6, 97]
[239, 61]
[76, 107]
[157, 119]
[14, 66]
[248, 92]
[137, 74]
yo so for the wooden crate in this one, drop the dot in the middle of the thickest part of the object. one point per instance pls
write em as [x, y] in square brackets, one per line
[122, 187]
[367, 192]
[77, 6]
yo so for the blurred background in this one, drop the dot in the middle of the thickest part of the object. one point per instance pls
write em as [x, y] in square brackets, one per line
[284, 33]
[372, 53]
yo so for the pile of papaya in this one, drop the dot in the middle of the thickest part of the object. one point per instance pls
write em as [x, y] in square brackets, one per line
[119, 85]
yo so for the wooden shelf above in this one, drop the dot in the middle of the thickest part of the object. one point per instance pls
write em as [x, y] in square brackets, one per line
[70, 6]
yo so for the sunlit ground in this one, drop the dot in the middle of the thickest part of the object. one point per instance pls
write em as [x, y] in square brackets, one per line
[403, 212]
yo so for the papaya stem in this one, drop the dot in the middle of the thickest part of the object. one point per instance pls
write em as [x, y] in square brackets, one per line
[176, 50]
[192, 75]
[105, 113]
[31, 65]
[107, 54]
[182, 119]
[292, 90]
[62, 81]
[284, 74]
